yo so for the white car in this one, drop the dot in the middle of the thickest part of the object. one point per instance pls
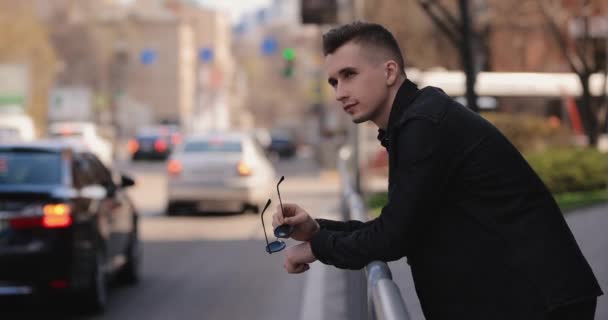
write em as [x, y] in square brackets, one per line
[219, 172]
[16, 127]
[86, 133]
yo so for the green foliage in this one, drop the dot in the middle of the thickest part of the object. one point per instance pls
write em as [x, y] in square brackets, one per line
[529, 133]
[571, 169]
[572, 200]
[577, 177]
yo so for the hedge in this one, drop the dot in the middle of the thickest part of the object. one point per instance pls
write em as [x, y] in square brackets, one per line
[571, 169]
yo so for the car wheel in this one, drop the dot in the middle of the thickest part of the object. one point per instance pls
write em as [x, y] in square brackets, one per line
[95, 297]
[130, 273]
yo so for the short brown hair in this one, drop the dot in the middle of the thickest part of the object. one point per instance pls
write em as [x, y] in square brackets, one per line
[366, 34]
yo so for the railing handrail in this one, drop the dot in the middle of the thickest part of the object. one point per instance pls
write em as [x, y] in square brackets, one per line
[384, 301]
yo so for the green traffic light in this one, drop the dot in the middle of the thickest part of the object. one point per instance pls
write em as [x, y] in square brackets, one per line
[289, 54]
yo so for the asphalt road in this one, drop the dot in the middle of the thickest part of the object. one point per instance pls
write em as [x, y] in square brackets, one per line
[208, 267]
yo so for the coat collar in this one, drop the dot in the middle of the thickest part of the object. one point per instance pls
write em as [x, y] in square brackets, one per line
[404, 98]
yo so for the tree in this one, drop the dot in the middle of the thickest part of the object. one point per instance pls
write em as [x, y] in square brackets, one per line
[471, 40]
[578, 52]
[24, 40]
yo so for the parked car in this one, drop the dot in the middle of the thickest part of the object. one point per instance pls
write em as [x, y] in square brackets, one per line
[219, 172]
[67, 225]
[86, 133]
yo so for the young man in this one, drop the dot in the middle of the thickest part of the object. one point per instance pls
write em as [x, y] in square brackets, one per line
[483, 235]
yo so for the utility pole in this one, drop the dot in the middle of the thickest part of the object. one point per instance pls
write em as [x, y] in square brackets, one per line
[467, 55]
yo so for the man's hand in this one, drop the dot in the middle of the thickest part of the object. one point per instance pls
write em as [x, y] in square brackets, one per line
[304, 225]
[298, 257]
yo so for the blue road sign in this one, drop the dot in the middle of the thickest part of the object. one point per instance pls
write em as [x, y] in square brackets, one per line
[269, 46]
[147, 56]
[205, 54]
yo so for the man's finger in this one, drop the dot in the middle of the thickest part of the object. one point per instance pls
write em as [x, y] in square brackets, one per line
[301, 268]
[297, 268]
[289, 209]
[277, 220]
[295, 220]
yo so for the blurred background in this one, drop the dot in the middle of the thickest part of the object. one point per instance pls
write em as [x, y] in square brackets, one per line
[205, 104]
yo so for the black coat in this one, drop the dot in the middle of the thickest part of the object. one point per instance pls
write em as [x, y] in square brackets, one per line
[482, 234]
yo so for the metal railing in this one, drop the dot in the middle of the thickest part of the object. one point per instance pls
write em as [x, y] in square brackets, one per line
[384, 301]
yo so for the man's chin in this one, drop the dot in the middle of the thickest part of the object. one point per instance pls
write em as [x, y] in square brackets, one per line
[359, 119]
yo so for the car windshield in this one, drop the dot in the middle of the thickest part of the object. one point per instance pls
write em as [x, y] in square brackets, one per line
[30, 167]
[212, 146]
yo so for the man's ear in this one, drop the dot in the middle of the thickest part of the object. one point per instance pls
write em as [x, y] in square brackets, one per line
[391, 72]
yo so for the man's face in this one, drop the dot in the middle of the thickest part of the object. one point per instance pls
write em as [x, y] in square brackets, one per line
[358, 80]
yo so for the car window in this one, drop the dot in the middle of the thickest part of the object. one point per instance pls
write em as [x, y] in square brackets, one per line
[212, 146]
[82, 172]
[30, 167]
[100, 173]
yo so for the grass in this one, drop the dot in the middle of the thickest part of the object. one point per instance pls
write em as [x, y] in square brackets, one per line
[574, 200]
[567, 201]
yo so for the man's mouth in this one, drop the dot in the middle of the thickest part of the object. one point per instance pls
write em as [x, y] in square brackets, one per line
[349, 107]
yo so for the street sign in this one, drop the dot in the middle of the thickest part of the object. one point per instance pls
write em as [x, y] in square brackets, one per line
[147, 56]
[14, 86]
[205, 55]
[269, 46]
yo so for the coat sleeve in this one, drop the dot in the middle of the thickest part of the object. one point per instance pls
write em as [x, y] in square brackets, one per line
[393, 234]
[348, 226]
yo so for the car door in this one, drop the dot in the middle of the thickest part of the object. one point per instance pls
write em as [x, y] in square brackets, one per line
[118, 211]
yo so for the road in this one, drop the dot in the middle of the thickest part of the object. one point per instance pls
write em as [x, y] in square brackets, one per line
[215, 267]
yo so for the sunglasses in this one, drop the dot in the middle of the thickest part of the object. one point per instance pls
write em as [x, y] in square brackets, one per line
[275, 246]
[282, 231]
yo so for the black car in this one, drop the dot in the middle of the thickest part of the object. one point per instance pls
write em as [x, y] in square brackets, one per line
[66, 226]
[282, 145]
[150, 147]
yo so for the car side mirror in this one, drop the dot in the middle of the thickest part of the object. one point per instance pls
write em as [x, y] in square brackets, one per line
[126, 181]
[94, 191]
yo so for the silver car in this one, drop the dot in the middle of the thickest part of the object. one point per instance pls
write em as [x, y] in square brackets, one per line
[218, 172]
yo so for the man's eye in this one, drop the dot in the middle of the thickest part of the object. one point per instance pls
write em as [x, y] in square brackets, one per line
[348, 74]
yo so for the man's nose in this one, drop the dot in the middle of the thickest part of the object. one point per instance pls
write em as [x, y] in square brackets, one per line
[341, 94]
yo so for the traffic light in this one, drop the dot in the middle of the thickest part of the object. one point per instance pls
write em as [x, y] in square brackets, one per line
[289, 56]
[319, 12]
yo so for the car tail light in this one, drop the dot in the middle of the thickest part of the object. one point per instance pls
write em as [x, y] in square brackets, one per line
[50, 216]
[133, 145]
[243, 169]
[174, 167]
[56, 216]
[160, 145]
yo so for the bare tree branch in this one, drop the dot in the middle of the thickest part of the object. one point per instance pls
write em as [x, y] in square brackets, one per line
[445, 12]
[574, 62]
[453, 36]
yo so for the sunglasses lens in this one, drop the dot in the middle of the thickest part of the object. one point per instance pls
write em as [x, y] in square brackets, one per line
[283, 231]
[275, 246]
